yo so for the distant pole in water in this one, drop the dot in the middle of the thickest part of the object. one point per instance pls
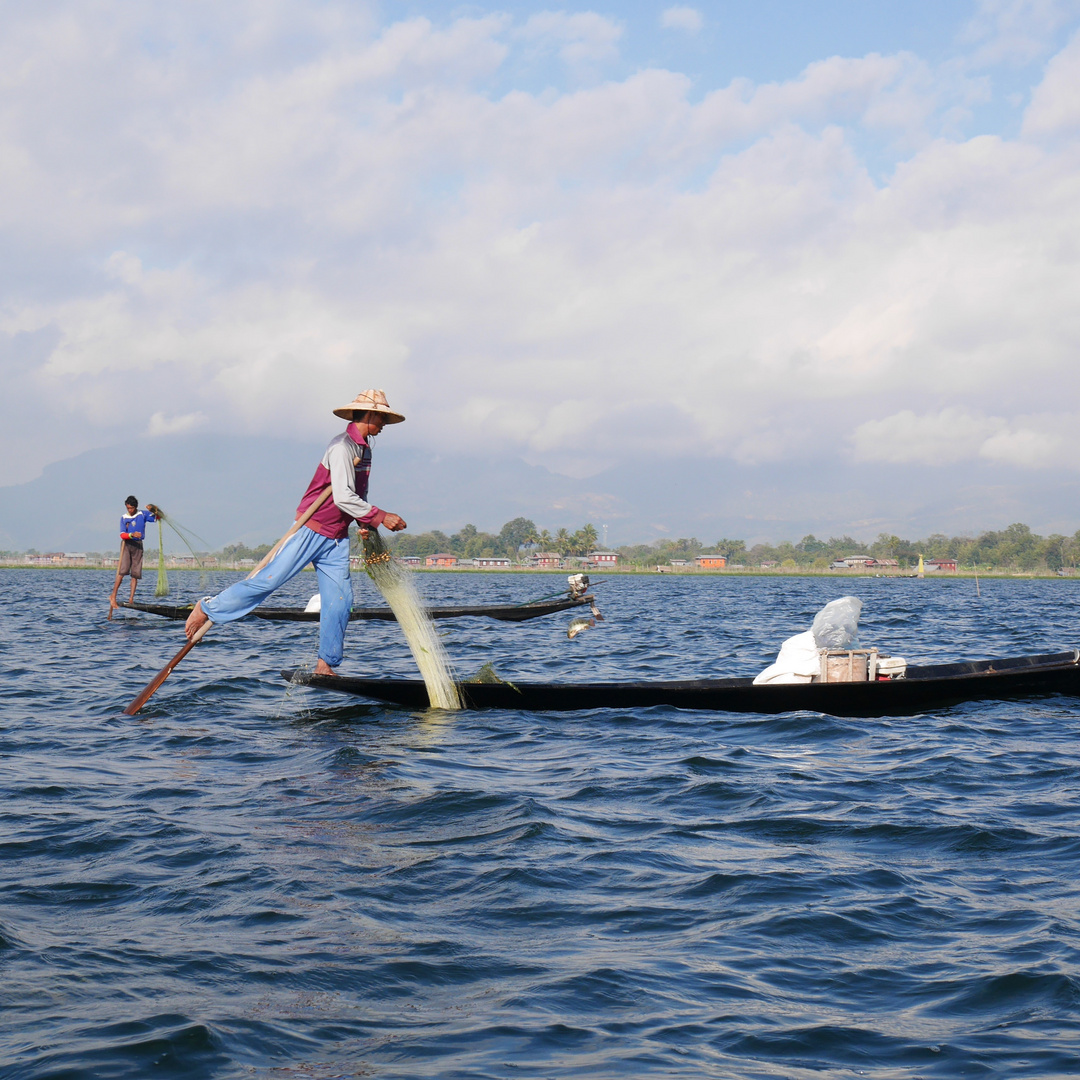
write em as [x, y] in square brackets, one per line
[978, 591]
[921, 572]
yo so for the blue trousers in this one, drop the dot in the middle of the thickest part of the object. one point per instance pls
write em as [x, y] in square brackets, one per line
[331, 561]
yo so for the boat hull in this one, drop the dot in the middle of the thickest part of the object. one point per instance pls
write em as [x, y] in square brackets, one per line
[924, 688]
[501, 612]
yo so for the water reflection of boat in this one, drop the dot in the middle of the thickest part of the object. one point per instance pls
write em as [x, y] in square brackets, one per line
[502, 612]
[928, 687]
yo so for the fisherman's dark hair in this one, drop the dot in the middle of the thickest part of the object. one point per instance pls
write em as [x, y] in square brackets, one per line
[359, 414]
[131, 501]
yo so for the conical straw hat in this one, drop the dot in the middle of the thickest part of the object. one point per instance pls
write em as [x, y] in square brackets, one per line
[369, 401]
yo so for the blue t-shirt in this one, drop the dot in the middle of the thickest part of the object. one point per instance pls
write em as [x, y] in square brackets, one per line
[136, 522]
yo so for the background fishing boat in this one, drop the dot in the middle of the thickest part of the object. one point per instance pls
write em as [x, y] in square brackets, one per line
[501, 612]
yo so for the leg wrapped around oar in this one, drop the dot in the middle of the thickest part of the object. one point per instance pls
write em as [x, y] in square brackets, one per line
[331, 561]
[198, 622]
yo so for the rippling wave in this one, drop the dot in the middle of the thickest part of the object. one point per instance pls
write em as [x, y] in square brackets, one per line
[256, 880]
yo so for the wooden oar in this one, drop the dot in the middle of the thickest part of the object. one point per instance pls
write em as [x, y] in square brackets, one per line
[155, 683]
[166, 671]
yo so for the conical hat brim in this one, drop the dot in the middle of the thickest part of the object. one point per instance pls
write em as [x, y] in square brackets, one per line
[346, 413]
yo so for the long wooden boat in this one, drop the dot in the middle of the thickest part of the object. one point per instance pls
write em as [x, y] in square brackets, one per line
[502, 612]
[931, 686]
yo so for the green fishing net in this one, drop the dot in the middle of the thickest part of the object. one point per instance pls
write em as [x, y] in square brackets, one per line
[398, 589]
[162, 578]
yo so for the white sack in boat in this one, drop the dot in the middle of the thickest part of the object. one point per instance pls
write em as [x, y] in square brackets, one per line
[315, 603]
[797, 662]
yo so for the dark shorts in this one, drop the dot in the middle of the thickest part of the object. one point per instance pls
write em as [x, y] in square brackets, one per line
[131, 560]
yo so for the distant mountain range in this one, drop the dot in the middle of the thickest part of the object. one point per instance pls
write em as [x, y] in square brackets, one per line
[231, 489]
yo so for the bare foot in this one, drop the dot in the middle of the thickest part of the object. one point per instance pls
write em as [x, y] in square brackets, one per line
[195, 620]
[113, 605]
[323, 668]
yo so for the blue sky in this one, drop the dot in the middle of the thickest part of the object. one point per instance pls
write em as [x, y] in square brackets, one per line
[747, 235]
[766, 41]
[775, 40]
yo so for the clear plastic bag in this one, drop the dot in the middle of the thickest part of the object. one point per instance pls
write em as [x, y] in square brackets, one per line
[836, 625]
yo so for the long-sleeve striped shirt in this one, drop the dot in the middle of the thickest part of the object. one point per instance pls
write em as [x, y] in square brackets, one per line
[347, 465]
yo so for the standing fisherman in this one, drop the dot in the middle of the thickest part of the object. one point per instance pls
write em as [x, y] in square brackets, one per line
[324, 540]
[132, 530]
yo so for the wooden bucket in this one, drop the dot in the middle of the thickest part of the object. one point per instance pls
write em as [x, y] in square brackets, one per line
[848, 665]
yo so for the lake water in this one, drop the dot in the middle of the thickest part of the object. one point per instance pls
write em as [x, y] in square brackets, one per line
[252, 880]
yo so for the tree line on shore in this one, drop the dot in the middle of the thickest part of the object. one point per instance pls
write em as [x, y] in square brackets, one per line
[515, 538]
[1013, 548]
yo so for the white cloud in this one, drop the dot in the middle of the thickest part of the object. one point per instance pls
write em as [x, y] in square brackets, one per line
[955, 435]
[682, 18]
[581, 38]
[899, 96]
[567, 275]
[1055, 103]
[248, 352]
[160, 424]
[1016, 31]
[1031, 449]
[942, 438]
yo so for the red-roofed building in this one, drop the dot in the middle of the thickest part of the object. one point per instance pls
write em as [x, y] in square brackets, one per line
[941, 564]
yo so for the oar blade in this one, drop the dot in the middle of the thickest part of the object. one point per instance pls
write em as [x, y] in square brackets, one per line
[155, 684]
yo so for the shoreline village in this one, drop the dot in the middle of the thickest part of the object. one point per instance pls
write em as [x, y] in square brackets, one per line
[178, 566]
[519, 545]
